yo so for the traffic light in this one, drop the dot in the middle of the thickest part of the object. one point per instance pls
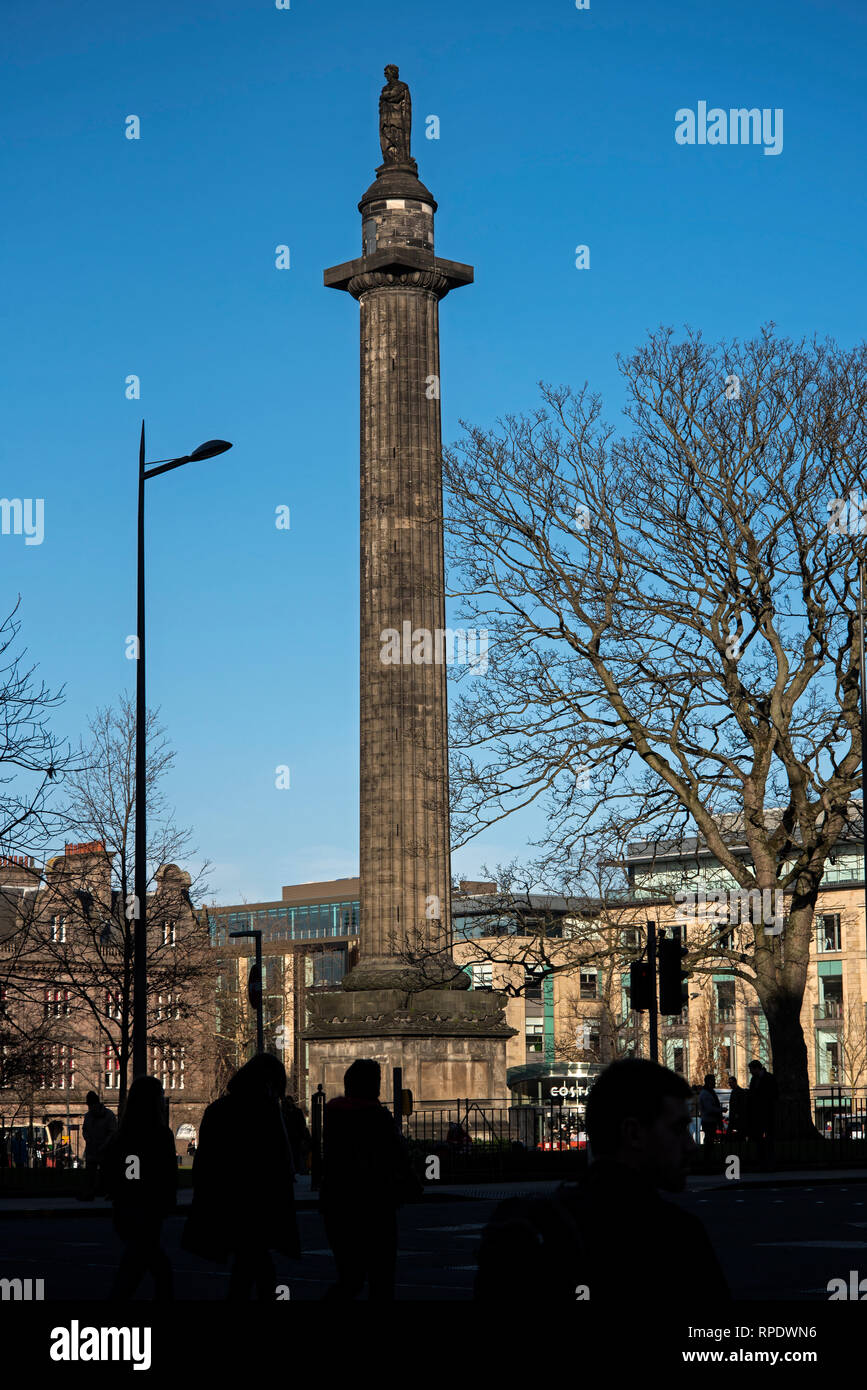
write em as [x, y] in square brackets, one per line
[640, 986]
[672, 977]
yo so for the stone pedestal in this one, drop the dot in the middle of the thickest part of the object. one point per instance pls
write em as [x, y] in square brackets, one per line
[450, 1044]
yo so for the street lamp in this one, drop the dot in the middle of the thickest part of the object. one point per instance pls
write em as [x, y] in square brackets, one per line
[254, 987]
[210, 449]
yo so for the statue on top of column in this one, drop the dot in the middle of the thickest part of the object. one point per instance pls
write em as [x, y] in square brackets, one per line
[395, 119]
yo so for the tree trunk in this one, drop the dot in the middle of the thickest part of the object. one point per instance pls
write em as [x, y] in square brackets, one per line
[794, 1119]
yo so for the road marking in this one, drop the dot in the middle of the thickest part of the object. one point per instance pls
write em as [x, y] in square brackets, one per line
[467, 1226]
[817, 1244]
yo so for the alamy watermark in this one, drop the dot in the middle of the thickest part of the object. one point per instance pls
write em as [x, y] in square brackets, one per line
[14, 521]
[444, 646]
[737, 126]
[848, 515]
[761, 907]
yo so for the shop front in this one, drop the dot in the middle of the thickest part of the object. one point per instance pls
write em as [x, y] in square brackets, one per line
[548, 1102]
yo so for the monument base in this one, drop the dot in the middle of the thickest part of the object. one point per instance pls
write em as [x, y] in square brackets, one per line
[450, 1044]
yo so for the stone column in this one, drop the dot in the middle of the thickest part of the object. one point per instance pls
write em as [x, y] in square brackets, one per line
[404, 841]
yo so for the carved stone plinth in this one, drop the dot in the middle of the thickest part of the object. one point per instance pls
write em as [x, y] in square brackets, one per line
[449, 1044]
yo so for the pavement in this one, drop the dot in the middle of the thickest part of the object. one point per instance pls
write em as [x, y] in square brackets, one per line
[306, 1197]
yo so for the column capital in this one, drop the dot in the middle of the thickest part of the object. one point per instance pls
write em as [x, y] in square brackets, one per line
[398, 266]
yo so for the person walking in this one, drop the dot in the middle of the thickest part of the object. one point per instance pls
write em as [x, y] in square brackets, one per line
[737, 1121]
[300, 1141]
[582, 1242]
[710, 1114]
[97, 1130]
[141, 1177]
[762, 1107]
[243, 1200]
[366, 1175]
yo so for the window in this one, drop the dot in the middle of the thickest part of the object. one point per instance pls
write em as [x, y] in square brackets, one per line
[112, 1004]
[329, 968]
[831, 1003]
[57, 932]
[828, 1059]
[724, 1056]
[534, 1030]
[725, 999]
[828, 932]
[112, 1068]
[482, 976]
[533, 982]
[169, 934]
[674, 1054]
[168, 1006]
[169, 1067]
[830, 989]
[625, 995]
[630, 937]
[57, 1003]
[587, 985]
[58, 1067]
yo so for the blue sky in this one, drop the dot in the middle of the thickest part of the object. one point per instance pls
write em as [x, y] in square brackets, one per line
[156, 257]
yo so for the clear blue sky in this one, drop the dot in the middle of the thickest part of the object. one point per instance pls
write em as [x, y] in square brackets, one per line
[156, 257]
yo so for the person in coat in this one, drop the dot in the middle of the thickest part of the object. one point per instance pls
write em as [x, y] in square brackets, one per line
[613, 1231]
[97, 1130]
[300, 1141]
[737, 1124]
[762, 1106]
[366, 1174]
[141, 1177]
[243, 1199]
[710, 1113]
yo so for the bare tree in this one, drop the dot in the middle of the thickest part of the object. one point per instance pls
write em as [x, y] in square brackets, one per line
[79, 928]
[852, 1042]
[32, 761]
[672, 628]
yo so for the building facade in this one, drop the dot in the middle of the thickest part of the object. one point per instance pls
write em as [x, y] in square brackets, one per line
[66, 991]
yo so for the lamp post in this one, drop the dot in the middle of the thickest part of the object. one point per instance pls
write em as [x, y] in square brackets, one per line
[254, 988]
[140, 977]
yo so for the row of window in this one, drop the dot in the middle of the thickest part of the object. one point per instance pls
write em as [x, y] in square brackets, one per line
[304, 922]
[57, 931]
[58, 1004]
[56, 1067]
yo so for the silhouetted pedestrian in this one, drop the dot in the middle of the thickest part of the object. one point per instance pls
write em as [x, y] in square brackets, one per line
[737, 1125]
[243, 1200]
[709, 1113]
[762, 1107]
[97, 1130]
[141, 1178]
[366, 1174]
[300, 1141]
[612, 1233]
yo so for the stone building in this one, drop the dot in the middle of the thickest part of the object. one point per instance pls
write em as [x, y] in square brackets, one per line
[65, 990]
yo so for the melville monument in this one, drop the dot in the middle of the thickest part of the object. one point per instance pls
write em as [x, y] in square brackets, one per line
[406, 1003]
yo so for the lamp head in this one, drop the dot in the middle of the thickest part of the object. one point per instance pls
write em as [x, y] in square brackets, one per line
[209, 449]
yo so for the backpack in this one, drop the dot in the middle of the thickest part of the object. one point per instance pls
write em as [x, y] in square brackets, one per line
[532, 1243]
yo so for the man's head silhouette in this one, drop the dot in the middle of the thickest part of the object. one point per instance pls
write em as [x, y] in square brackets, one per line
[637, 1114]
[362, 1080]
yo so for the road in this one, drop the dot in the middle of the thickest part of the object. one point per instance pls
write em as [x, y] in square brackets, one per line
[782, 1242]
